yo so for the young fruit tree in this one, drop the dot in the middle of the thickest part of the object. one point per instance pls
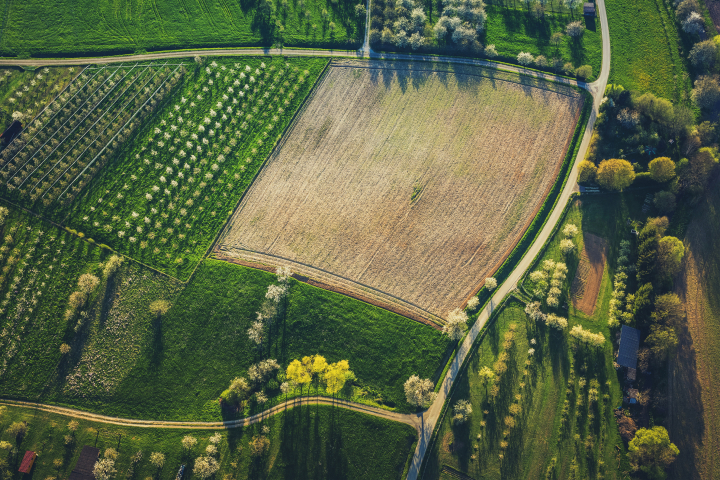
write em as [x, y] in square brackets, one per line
[456, 325]
[419, 392]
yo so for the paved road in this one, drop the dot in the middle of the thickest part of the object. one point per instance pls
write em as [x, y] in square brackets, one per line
[431, 416]
[426, 422]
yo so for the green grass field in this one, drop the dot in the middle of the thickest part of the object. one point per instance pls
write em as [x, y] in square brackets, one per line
[122, 363]
[72, 28]
[305, 442]
[539, 434]
[644, 42]
[514, 30]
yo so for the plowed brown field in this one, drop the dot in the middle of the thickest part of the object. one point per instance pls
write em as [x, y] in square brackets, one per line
[588, 276]
[407, 184]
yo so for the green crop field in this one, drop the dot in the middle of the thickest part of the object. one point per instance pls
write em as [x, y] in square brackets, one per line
[305, 442]
[76, 28]
[645, 42]
[125, 364]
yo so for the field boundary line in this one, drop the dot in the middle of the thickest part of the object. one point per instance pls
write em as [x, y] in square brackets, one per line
[396, 309]
[281, 141]
[434, 70]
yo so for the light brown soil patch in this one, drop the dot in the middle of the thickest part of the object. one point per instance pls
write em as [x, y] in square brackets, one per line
[588, 276]
[406, 185]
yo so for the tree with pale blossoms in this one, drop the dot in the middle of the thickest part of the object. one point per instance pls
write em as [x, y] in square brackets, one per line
[456, 324]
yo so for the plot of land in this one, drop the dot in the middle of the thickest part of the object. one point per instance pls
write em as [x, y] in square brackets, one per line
[588, 276]
[405, 183]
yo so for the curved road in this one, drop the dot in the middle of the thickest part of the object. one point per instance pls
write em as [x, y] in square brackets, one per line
[424, 423]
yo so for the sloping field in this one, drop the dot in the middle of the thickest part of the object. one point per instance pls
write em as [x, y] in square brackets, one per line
[407, 183]
[693, 396]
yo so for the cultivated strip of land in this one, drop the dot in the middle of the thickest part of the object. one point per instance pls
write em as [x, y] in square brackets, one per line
[410, 183]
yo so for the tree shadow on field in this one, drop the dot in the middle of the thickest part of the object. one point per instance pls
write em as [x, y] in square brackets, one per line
[687, 413]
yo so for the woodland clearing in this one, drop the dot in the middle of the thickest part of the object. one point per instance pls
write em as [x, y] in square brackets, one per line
[386, 186]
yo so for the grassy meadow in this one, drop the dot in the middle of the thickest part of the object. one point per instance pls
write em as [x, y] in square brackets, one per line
[645, 42]
[305, 442]
[124, 362]
[544, 441]
[63, 28]
[514, 30]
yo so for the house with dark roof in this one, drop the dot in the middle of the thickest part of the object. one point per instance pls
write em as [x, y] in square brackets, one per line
[589, 9]
[84, 467]
[628, 350]
[27, 462]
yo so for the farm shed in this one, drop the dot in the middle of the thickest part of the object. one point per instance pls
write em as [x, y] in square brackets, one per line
[84, 467]
[589, 9]
[27, 462]
[629, 343]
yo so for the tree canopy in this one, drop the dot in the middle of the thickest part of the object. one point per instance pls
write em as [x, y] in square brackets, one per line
[652, 452]
[615, 174]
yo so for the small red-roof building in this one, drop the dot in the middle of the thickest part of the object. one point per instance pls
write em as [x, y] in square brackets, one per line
[27, 462]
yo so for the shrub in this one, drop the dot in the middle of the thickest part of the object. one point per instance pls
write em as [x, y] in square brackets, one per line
[575, 29]
[159, 307]
[525, 59]
[259, 445]
[567, 246]
[490, 51]
[584, 71]
[664, 201]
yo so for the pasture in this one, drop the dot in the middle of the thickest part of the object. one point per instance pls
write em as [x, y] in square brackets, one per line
[77, 28]
[123, 362]
[539, 423]
[645, 42]
[410, 183]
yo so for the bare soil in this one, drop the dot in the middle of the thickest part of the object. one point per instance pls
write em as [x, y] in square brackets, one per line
[588, 276]
[406, 184]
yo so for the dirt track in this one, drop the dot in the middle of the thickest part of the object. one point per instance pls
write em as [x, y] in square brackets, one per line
[409, 419]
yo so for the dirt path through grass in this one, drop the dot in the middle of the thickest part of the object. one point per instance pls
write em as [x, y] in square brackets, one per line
[413, 420]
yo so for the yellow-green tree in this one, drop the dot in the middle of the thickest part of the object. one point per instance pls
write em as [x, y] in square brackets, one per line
[317, 365]
[298, 374]
[336, 375]
[652, 452]
[615, 174]
[670, 252]
[586, 171]
[662, 169]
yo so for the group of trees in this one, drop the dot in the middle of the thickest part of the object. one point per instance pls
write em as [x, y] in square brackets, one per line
[315, 370]
[548, 281]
